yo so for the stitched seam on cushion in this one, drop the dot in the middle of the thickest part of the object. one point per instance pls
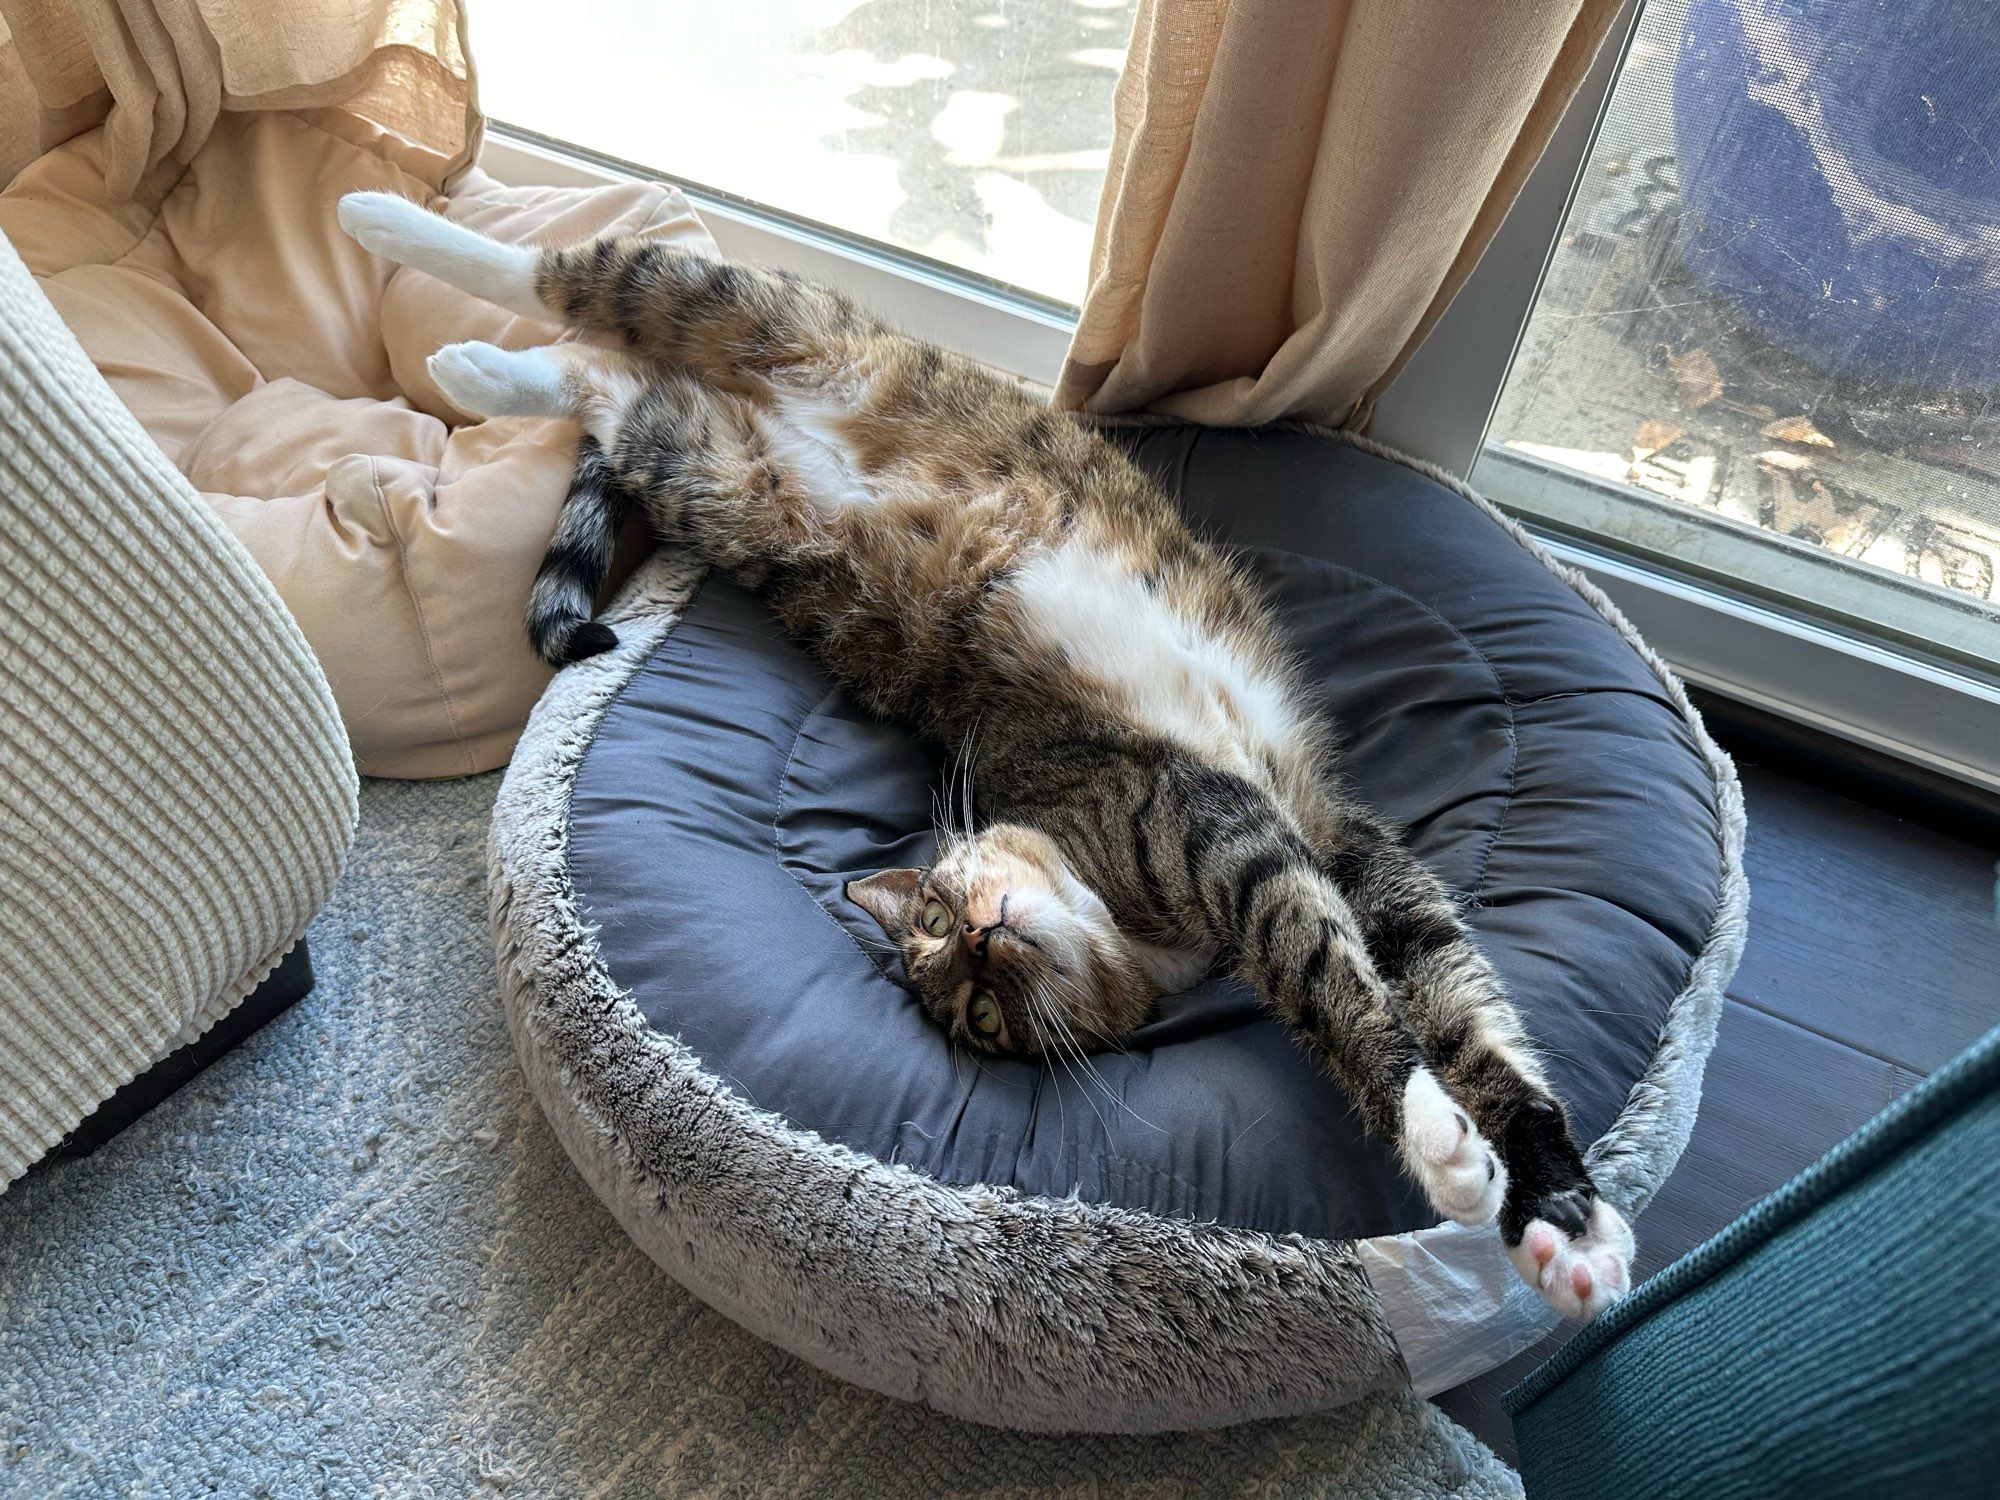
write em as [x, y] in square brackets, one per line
[778, 812]
[1506, 807]
[417, 604]
[1507, 701]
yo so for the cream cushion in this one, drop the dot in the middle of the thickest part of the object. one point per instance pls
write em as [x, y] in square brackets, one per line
[281, 368]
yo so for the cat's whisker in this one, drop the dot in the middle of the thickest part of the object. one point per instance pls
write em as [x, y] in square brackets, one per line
[1097, 1074]
[972, 734]
[1082, 1087]
[1071, 1000]
[1055, 1025]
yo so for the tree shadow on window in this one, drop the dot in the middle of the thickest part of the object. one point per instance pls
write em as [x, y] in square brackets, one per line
[1050, 64]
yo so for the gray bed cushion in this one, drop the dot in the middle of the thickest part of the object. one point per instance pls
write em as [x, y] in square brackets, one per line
[1536, 760]
[1061, 1310]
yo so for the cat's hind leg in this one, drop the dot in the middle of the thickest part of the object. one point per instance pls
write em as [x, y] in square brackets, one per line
[703, 466]
[676, 305]
[410, 234]
[595, 386]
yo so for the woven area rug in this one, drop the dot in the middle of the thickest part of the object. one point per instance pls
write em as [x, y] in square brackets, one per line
[350, 1259]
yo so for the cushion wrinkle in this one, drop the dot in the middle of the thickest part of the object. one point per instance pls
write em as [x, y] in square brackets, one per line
[1520, 895]
[417, 604]
[1506, 700]
[779, 798]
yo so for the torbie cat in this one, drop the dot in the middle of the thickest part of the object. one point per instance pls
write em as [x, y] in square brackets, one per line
[1158, 791]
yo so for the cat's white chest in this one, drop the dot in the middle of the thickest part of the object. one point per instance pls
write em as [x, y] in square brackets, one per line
[1166, 671]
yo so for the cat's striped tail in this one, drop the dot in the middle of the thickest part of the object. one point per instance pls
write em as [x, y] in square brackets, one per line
[564, 596]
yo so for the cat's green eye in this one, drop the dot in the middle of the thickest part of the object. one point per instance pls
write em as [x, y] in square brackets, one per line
[935, 919]
[983, 1014]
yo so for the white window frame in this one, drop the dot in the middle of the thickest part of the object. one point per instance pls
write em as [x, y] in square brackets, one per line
[1438, 409]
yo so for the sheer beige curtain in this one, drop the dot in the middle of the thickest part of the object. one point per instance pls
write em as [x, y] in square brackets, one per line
[1298, 187]
[157, 73]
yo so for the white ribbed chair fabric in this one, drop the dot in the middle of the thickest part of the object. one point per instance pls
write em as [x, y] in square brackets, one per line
[176, 790]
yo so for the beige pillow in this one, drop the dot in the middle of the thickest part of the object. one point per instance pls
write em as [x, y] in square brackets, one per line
[281, 367]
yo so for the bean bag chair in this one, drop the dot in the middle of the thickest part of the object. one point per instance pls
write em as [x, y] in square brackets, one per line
[281, 369]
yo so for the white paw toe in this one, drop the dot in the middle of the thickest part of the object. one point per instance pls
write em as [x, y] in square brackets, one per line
[1578, 1277]
[1461, 1174]
[381, 222]
[495, 382]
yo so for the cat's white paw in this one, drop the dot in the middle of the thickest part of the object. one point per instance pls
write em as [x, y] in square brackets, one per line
[493, 382]
[1579, 1277]
[1462, 1175]
[384, 223]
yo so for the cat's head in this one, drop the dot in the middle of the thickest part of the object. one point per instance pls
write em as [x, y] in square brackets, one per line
[1007, 949]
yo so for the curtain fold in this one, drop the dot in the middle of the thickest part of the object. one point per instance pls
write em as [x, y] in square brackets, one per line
[156, 74]
[1295, 192]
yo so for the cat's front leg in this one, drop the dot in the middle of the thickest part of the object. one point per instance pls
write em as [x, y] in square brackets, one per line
[1460, 1172]
[1565, 1240]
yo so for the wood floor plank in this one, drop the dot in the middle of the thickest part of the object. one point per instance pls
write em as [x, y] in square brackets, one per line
[1870, 930]
[1775, 1099]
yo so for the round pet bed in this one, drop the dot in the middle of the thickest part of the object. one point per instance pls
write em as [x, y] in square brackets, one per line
[1199, 1233]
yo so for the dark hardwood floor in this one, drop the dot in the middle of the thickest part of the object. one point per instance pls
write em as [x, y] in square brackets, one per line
[1873, 959]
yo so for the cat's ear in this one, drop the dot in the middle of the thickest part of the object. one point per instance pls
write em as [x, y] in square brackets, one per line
[886, 898]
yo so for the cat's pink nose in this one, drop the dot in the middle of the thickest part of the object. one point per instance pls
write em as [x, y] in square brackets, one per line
[975, 932]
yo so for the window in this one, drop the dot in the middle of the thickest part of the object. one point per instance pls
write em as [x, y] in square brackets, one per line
[1735, 351]
[1767, 345]
[971, 134]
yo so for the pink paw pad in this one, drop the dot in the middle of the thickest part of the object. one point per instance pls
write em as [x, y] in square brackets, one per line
[1581, 1276]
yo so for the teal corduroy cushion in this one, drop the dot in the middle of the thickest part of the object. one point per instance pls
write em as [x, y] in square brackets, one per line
[1841, 1338]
